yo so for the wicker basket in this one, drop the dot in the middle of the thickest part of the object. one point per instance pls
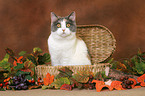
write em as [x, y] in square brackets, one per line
[101, 45]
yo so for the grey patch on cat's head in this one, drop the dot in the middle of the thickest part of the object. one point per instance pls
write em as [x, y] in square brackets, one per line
[69, 20]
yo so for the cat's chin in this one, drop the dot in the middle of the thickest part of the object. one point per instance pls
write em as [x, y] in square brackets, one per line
[64, 35]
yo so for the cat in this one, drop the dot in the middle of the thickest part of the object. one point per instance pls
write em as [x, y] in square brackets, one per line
[64, 46]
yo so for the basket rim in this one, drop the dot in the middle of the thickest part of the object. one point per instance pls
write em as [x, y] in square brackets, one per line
[103, 27]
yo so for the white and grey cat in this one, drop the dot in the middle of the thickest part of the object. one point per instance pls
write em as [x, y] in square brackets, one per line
[64, 46]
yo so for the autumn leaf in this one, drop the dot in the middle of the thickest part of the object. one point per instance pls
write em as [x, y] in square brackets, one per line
[64, 72]
[100, 85]
[66, 87]
[117, 85]
[60, 81]
[48, 80]
[18, 60]
[34, 87]
[141, 80]
[82, 76]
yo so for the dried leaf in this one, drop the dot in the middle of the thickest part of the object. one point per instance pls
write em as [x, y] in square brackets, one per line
[66, 87]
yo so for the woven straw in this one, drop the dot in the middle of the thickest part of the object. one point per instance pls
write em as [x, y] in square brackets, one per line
[101, 44]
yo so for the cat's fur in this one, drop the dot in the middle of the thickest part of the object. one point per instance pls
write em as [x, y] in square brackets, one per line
[64, 46]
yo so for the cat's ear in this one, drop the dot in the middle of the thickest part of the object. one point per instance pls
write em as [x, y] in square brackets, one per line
[72, 16]
[53, 17]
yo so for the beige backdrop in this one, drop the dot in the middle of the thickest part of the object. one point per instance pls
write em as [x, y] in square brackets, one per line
[25, 24]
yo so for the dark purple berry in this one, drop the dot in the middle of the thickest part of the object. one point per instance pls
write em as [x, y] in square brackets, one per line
[131, 82]
[124, 85]
[25, 87]
[122, 78]
[128, 82]
[126, 77]
[91, 77]
[129, 87]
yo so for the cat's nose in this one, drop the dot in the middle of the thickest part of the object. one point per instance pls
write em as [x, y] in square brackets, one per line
[63, 30]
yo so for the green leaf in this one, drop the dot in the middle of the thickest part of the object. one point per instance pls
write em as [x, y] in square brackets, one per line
[66, 71]
[5, 60]
[110, 61]
[82, 78]
[10, 52]
[37, 49]
[22, 72]
[32, 58]
[22, 53]
[19, 66]
[47, 57]
[42, 59]
[46, 87]
[59, 82]
[5, 64]
[28, 77]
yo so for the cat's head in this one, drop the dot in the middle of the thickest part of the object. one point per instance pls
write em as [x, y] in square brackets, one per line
[63, 27]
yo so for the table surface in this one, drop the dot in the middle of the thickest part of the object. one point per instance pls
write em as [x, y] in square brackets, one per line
[75, 92]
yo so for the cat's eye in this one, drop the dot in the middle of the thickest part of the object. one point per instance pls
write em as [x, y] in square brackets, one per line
[67, 25]
[58, 25]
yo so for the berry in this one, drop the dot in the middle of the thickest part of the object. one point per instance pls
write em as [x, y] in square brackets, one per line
[1, 85]
[91, 77]
[131, 82]
[124, 85]
[129, 87]
[128, 82]
[25, 87]
[126, 77]
[122, 78]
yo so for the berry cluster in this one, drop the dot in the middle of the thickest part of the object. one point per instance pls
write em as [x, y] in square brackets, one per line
[126, 84]
[20, 83]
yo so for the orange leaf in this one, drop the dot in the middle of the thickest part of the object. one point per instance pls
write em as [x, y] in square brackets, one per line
[137, 87]
[48, 80]
[117, 85]
[141, 79]
[133, 85]
[18, 61]
[66, 87]
[100, 85]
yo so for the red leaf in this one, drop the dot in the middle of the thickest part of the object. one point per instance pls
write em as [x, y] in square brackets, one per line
[66, 87]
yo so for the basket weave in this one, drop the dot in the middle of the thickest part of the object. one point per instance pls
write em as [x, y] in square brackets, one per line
[101, 45]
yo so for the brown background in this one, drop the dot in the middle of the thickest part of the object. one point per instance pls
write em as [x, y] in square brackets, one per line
[25, 24]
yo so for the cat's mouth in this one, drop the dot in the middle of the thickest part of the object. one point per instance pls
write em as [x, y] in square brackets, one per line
[65, 35]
